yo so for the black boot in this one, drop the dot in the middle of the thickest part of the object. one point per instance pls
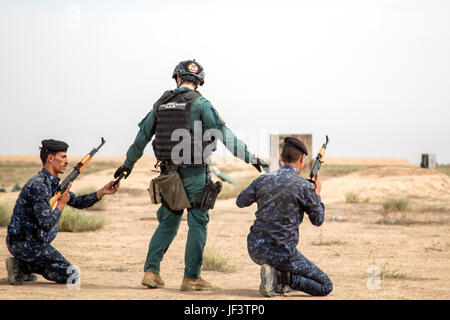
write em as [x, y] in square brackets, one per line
[27, 271]
[268, 280]
[30, 277]
[283, 282]
[15, 274]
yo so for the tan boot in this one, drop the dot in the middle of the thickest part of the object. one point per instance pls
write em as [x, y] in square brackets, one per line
[197, 284]
[152, 280]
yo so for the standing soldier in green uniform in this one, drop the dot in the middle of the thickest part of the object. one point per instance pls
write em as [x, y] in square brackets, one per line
[184, 113]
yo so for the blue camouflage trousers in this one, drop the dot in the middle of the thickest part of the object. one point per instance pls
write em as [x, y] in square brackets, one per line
[305, 275]
[42, 259]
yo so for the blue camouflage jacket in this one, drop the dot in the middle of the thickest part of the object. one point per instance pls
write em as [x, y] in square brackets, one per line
[282, 198]
[32, 210]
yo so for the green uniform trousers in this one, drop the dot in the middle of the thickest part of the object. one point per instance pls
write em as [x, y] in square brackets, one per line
[194, 180]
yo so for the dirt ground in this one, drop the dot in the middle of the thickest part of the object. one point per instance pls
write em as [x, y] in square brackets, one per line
[350, 247]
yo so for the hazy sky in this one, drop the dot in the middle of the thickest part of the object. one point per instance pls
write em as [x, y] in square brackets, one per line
[373, 75]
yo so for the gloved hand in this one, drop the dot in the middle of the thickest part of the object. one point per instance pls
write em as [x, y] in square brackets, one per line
[258, 163]
[122, 169]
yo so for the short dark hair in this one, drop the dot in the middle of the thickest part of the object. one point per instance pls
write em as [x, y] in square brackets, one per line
[189, 78]
[293, 149]
[290, 154]
[45, 153]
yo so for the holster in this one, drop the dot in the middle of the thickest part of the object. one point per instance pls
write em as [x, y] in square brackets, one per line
[168, 188]
[206, 199]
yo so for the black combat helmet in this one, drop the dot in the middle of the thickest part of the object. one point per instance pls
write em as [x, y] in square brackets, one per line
[189, 67]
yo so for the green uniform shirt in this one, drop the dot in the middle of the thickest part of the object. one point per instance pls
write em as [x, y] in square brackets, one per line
[201, 110]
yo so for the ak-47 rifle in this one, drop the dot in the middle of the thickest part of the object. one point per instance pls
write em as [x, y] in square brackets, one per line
[74, 174]
[318, 163]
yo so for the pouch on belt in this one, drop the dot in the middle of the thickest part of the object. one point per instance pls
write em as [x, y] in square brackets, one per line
[171, 188]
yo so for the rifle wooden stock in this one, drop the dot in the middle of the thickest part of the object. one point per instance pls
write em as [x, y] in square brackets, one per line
[55, 199]
[86, 159]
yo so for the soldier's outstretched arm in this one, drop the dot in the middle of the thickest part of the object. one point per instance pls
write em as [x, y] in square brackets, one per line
[88, 200]
[213, 120]
[248, 196]
[82, 201]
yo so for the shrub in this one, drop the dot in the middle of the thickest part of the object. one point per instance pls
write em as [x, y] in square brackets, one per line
[5, 215]
[395, 204]
[434, 208]
[351, 197]
[72, 220]
[391, 273]
[215, 260]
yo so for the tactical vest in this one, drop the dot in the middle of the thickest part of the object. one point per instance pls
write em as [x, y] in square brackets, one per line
[172, 113]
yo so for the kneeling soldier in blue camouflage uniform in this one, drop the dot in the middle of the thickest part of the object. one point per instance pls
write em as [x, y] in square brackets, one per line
[33, 222]
[283, 197]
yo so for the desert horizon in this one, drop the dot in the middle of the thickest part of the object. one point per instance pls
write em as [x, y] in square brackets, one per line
[230, 159]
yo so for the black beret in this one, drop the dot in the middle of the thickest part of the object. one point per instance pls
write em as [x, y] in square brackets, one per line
[296, 143]
[54, 145]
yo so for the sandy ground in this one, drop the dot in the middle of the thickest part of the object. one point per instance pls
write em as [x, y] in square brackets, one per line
[350, 246]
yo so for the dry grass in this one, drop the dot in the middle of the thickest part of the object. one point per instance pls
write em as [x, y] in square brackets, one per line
[389, 272]
[395, 204]
[444, 168]
[403, 211]
[216, 260]
[326, 242]
[339, 170]
[12, 172]
[72, 220]
[431, 207]
[5, 215]
[394, 212]
[351, 197]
